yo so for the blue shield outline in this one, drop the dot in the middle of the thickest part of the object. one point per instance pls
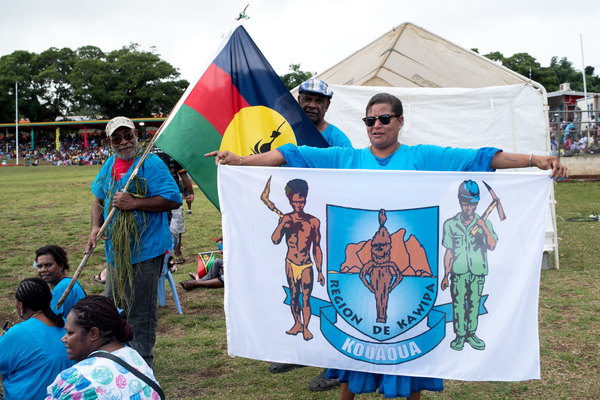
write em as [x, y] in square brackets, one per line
[410, 301]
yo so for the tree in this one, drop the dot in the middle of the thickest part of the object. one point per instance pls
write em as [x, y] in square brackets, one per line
[44, 91]
[529, 67]
[296, 76]
[89, 82]
[593, 81]
[125, 82]
[496, 56]
[523, 63]
[565, 72]
[54, 67]
[16, 68]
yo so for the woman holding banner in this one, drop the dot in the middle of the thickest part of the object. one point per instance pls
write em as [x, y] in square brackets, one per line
[384, 119]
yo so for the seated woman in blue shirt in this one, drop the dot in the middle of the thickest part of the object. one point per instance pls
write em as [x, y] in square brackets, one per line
[31, 352]
[52, 262]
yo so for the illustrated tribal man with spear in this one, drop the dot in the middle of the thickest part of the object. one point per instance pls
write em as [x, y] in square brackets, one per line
[301, 231]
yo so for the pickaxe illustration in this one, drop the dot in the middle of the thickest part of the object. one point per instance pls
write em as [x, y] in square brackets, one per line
[265, 198]
[494, 204]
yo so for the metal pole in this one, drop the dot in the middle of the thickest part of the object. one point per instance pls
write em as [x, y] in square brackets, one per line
[17, 121]
[585, 87]
[552, 200]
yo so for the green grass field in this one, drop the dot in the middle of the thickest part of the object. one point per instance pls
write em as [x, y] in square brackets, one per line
[51, 205]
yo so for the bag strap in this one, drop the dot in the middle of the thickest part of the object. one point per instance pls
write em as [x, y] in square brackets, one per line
[131, 369]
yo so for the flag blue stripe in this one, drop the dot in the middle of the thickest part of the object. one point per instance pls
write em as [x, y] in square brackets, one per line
[259, 85]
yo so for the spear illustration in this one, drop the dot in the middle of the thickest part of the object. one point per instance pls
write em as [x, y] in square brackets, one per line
[265, 198]
[108, 219]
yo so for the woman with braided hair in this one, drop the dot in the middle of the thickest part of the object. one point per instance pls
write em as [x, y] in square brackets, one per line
[31, 352]
[106, 368]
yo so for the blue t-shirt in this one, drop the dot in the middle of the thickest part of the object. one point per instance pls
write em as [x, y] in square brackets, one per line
[420, 157]
[76, 294]
[31, 356]
[153, 227]
[335, 137]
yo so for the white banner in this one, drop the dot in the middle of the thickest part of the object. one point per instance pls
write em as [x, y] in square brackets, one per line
[431, 274]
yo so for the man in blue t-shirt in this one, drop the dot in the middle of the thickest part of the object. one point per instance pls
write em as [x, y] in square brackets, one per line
[152, 193]
[314, 98]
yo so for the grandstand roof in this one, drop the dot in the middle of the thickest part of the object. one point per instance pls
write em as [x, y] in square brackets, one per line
[76, 125]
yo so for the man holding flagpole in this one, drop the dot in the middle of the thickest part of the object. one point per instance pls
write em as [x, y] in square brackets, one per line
[138, 236]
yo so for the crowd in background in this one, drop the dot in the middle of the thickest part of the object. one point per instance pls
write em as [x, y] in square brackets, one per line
[569, 138]
[72, 149]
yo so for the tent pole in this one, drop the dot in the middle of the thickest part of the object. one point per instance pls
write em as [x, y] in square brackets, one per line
[549, 151]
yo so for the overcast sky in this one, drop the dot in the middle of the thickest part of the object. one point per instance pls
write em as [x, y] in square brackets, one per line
[315, 33]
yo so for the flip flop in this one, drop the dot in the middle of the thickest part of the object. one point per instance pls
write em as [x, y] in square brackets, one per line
[97, 278]
[185, 286]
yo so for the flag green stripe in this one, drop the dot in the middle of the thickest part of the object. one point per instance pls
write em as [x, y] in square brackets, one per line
[187, 138]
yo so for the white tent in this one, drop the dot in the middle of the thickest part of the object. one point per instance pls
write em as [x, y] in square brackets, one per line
[410, 56]
[451, 97]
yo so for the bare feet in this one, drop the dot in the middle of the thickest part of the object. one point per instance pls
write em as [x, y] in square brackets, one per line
[194, 275]
[297, 328]
[307, 335]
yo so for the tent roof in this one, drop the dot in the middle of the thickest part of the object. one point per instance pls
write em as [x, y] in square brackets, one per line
[409, 56]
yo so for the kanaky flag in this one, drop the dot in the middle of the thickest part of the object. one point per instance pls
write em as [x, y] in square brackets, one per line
[239, 104]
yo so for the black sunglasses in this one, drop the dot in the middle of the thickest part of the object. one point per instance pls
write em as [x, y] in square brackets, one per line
[128, 136]
[384, 119]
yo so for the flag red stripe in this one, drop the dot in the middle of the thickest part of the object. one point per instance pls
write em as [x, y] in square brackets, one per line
[216, 98]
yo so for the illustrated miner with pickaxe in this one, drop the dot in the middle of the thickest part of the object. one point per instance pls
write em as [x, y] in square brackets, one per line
[467, 238]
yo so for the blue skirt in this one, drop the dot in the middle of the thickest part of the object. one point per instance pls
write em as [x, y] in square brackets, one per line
[391, 386]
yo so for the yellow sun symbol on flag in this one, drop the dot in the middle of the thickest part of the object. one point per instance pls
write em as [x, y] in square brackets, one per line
[255, 130]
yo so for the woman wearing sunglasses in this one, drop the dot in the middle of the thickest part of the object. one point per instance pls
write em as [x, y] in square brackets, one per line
[384, 120]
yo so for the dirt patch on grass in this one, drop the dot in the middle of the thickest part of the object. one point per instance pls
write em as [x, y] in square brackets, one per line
[173, 331]
[10, 317]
